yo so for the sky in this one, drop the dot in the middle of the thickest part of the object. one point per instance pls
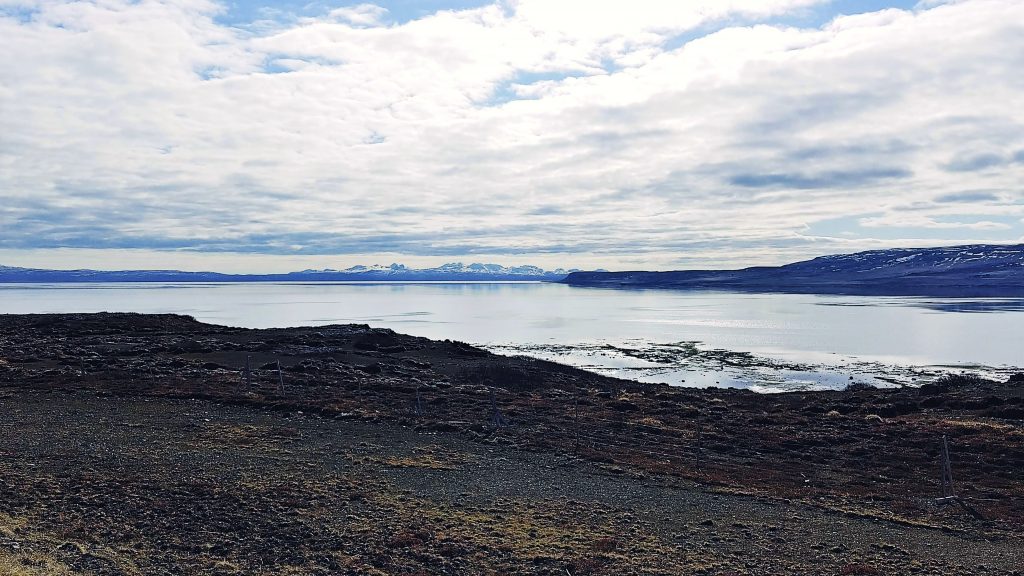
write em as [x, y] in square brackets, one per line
[248, 136]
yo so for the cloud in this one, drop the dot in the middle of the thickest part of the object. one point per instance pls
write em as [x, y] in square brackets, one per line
[968, 197]
[646, 132]
[833, 179]
[971, 163]
[904, 221]
[360, 14]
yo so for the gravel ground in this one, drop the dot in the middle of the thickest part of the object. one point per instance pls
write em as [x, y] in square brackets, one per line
[110, 485]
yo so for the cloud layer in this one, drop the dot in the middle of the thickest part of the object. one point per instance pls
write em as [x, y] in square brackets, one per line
[652, 133]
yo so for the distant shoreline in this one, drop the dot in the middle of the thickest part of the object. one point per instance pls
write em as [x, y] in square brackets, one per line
[956, 272]
[954, 292]
[294, 282]
[951, 292]
[452, 272]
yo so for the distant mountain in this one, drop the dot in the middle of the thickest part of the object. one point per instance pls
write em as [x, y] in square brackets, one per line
[455, 271]
[968, 271]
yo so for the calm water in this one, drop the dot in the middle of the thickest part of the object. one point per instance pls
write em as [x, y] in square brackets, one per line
[816, 341]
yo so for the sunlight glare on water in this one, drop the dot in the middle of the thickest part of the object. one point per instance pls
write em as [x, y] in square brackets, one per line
[516, 318]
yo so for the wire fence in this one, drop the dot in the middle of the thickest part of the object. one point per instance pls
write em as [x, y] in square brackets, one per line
[596, 423]
[568, 420]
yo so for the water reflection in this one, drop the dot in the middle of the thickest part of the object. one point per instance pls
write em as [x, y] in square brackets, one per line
[973, 306]
[796, 328]
[967, 305]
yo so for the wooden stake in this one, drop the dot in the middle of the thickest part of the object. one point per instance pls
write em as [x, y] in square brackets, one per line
[576, 418]
[700, 434]
[497, 419]
[947, 470]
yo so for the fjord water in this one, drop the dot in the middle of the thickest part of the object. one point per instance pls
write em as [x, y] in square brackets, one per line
[558, 321]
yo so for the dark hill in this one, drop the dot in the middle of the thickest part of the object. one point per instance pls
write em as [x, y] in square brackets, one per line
[978, 270]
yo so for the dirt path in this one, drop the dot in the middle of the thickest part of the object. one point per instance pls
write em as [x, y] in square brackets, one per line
[107, 485]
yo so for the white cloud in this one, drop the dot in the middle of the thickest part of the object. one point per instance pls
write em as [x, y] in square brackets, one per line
[542, 130]
[617, 30]
[918, 221]
[360, 14]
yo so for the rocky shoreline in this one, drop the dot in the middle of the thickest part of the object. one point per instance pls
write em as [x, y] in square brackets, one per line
[696, 365]
[863, 460]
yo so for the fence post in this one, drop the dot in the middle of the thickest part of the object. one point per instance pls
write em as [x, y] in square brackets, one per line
[576, 418]
[700, 434]
[496, 418]
[947, 471]
[247, 372]
[418, 407]
[280, 378]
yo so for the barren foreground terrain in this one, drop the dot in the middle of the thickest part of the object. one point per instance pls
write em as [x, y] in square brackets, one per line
[137, 444]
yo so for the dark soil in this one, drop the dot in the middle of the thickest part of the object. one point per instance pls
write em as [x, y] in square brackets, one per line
[136, 444]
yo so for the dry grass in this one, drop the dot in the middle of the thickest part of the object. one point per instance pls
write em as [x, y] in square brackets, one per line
[24, 563]
[31, 564]
[507, 534]
[245, 435]
[430, 457]
[35, 555]
[10, 525]
[651, 422]
[979, 425]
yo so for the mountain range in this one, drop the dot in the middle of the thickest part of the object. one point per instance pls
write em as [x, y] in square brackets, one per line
[967, 271]
[455, 271]
[954, 271]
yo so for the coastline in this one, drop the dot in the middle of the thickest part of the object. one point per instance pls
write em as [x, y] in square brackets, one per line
[693, 364]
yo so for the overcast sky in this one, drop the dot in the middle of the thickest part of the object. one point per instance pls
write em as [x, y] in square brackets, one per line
[248, 136]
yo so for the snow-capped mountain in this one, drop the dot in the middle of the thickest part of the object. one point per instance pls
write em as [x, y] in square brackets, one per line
[908, 260]
[455, 271]
[976, 270]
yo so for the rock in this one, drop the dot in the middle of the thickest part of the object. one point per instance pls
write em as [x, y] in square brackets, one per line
[369, 368]
[622, 406]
